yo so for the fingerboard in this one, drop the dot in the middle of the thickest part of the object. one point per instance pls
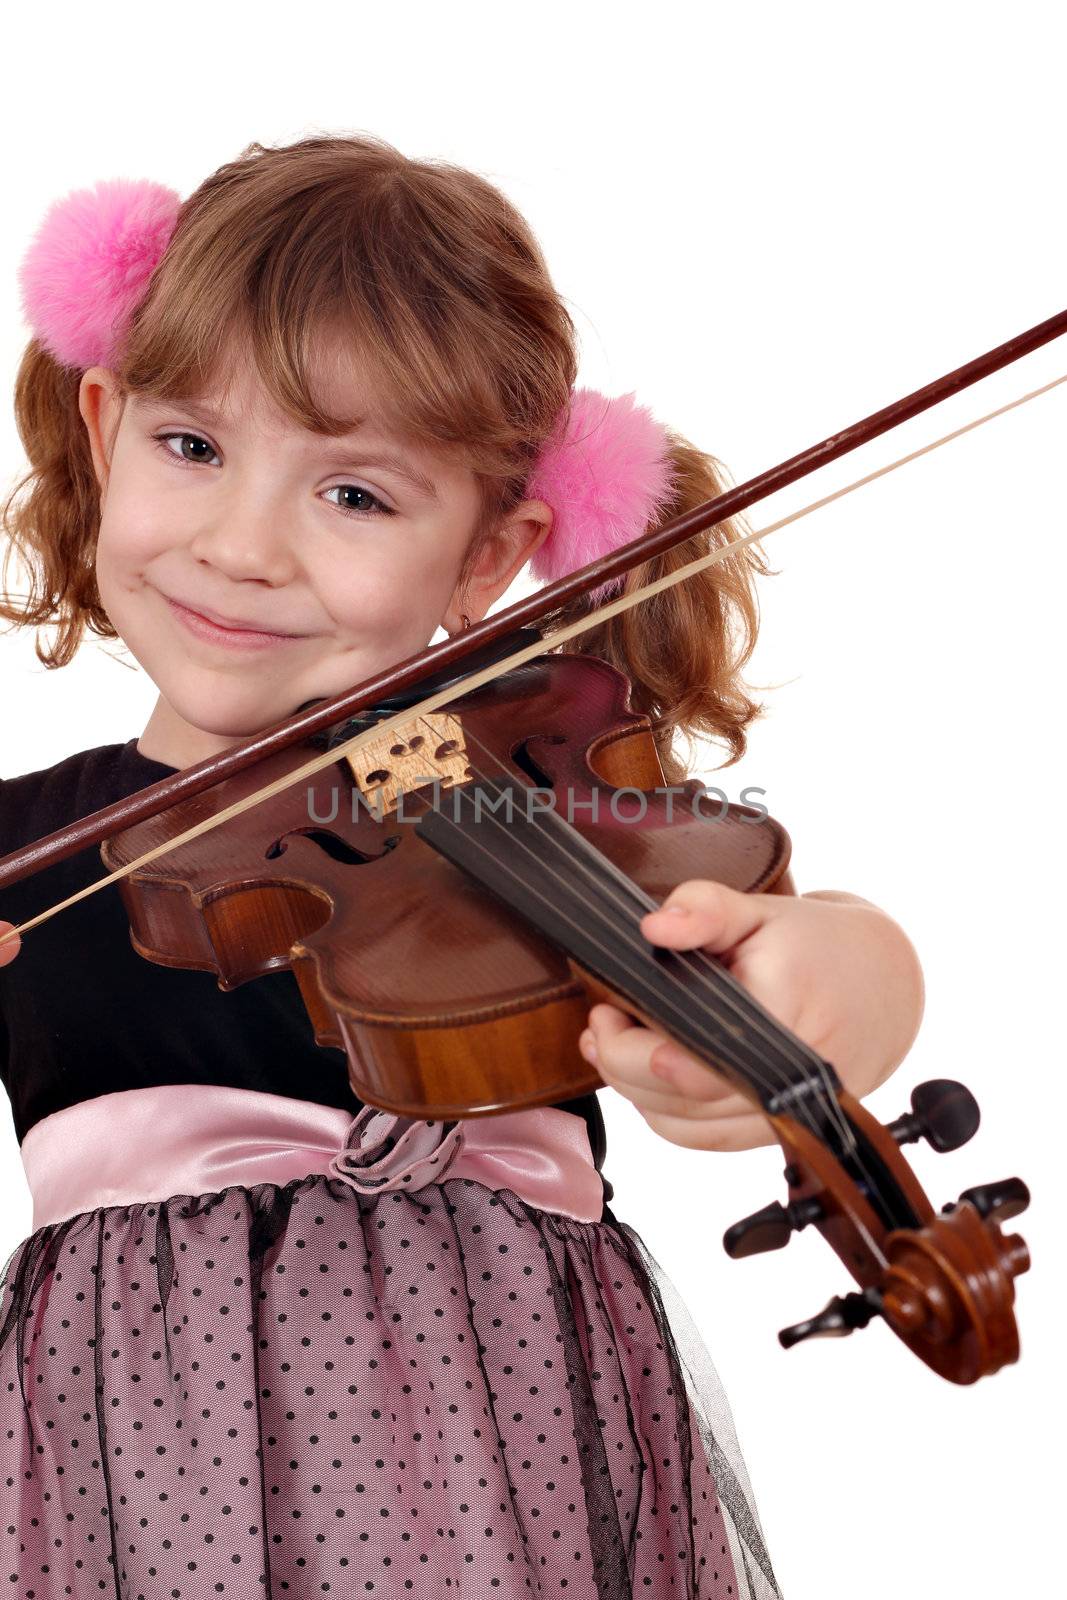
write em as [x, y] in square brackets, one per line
[540, 866]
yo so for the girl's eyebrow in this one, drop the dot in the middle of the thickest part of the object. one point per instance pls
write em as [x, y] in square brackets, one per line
[346, 444]
[326, 444]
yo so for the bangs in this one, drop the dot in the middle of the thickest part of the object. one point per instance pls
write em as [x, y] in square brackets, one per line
[338, 283]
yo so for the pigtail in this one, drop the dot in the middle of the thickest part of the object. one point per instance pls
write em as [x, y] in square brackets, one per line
[51, 517]
[684, 649]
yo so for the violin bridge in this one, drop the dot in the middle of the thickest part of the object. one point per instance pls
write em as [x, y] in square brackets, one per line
[430, 749]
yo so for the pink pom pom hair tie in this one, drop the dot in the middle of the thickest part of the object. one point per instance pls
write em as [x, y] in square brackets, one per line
[605, 471]
[89, 265]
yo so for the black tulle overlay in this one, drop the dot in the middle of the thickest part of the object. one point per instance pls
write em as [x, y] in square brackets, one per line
[301, 1390]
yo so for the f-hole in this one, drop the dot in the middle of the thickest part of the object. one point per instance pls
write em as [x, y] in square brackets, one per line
[525, 762]
[333, 846]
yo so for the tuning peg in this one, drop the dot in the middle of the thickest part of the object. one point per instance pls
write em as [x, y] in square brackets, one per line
[943, 1112]
[1001, 1200]
[770, 1228]
[839, 1316]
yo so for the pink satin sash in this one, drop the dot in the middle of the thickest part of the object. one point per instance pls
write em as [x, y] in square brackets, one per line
[194, 1138]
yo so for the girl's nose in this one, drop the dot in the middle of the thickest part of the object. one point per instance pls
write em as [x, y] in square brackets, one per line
[247, 541]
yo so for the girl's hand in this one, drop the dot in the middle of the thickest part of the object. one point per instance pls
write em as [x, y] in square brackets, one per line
[8, 951]
[834, 969]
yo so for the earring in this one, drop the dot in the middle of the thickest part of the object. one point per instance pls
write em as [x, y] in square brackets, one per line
[465, 620]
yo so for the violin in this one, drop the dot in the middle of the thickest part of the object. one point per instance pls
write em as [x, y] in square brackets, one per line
[454, 865]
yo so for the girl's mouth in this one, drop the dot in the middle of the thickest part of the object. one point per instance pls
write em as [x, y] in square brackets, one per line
[215, 633]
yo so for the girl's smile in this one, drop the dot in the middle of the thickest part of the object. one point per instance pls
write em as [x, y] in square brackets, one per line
[204, 627]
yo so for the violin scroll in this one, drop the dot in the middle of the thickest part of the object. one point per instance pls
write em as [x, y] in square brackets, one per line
[948, 1294]
[944, 1283]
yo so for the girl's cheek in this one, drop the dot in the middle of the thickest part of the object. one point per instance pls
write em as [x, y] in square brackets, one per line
[369, 592]
[355, 605]
[138, 523]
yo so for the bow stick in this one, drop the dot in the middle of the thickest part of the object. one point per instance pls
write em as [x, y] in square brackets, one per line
[546, 604]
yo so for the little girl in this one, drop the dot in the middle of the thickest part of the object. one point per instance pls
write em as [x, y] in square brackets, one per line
[278, 434]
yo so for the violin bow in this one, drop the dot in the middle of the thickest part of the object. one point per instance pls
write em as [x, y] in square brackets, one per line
[546, 604]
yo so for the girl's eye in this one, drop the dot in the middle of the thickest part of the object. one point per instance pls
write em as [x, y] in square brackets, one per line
[163, 440]
[350, 509]
[199, 450]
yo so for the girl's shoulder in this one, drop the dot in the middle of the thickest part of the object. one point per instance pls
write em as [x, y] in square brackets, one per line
[37, 803]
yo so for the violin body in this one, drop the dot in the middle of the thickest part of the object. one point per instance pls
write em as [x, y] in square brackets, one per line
[455, 958]
[445, 1004]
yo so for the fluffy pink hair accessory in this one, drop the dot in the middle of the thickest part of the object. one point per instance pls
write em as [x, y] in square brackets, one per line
[606, 472]
[89, 264]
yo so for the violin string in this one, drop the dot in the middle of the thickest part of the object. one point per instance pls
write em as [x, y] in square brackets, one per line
[643, 949]
[741, 1001]
[598, 867]
[717, 978]
[582, 927]
[639, 946]
[714, 976]
[475, 679]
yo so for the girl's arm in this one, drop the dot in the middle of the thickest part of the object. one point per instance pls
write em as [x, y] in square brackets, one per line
[836, 970]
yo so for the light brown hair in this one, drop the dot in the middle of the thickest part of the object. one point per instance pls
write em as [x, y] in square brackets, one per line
[444, 293]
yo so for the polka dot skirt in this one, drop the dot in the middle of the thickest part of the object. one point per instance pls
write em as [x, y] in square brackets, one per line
[303, 1391]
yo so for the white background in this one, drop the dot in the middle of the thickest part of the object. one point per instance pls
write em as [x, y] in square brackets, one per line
[768, 222]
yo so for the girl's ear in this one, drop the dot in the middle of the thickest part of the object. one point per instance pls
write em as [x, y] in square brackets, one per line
[503, 554]
[100, 404]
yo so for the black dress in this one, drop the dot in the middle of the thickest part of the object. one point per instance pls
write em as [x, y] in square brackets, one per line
[297, 1388]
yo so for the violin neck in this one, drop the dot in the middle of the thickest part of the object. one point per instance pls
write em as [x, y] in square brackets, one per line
[547, 872]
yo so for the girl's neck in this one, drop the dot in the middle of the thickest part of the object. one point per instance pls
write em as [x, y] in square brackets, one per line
[168, 739]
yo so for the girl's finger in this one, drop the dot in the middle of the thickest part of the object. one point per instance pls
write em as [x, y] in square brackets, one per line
[648, 1058]
[683, 1073]
[701, 912]
[620, 1048]
[668, 1102]
[653, 1072]
[745, 1132]
[9, 948]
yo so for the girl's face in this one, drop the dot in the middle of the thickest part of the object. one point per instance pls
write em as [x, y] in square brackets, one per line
[343, 553]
